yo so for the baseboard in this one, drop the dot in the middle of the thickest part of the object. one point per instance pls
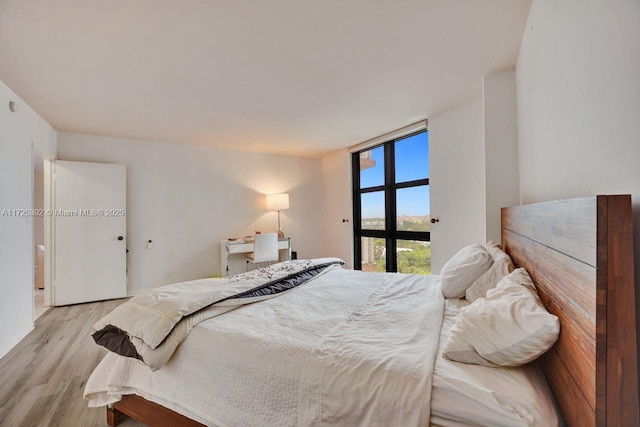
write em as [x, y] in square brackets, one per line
[6, 349]
[134, 292]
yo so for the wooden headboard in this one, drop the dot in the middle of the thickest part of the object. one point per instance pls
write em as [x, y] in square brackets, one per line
[579, 253]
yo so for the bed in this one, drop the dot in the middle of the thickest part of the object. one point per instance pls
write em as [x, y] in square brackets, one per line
[579, 254]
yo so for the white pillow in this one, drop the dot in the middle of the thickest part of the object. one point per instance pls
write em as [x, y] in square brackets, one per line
[463, 269]
[509, 327]
[502, 266]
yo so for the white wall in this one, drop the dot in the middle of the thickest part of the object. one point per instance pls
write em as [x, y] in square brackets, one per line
[500, 147]
[457, 182]
[338, 235]
[17, 133]
[186, 199]
[578, 84]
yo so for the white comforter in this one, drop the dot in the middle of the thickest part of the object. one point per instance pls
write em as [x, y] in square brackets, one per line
[151, 326]
[348, 348]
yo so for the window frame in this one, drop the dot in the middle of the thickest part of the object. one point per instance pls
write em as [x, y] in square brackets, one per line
[391, 234]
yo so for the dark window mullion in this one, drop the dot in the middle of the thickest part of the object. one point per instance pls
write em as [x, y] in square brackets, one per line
[391, 225]
[424, 236]
[373, 233]
[357, 211]
[373, 189]
[415, 183]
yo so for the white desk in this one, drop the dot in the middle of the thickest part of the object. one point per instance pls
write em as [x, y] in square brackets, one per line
[229, 249]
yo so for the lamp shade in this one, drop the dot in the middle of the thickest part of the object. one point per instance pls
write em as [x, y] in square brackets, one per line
[277, 202]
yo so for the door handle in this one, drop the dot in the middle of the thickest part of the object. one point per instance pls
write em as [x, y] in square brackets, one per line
[434, 220]
[120, 238]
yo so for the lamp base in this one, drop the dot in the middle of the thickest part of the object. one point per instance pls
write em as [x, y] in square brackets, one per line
[280, 234]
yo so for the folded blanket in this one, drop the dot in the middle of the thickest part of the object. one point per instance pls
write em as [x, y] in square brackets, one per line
[151, 326]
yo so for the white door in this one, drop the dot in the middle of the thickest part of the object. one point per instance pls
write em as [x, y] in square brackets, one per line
[89, 227]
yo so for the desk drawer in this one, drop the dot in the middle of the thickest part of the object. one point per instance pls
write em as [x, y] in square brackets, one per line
[240, 248]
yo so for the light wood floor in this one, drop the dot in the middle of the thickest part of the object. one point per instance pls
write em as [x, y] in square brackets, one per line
[42, 379]
[38, 303]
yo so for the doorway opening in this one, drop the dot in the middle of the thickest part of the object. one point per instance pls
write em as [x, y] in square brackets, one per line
[42, 241]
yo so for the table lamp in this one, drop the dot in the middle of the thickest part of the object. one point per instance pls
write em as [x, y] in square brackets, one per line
[278, 202]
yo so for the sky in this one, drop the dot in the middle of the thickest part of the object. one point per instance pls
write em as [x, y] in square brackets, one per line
[412, 162]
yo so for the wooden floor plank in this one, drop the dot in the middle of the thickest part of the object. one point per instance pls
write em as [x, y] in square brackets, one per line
[42, 379]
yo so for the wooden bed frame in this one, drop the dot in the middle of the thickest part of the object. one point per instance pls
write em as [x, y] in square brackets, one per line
[580, 255]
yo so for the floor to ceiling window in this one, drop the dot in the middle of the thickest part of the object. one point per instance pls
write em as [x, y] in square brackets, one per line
[391, 206]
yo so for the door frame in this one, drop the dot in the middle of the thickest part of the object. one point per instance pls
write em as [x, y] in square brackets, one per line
[49, 256]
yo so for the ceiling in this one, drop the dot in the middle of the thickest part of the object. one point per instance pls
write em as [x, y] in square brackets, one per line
[293, 77]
